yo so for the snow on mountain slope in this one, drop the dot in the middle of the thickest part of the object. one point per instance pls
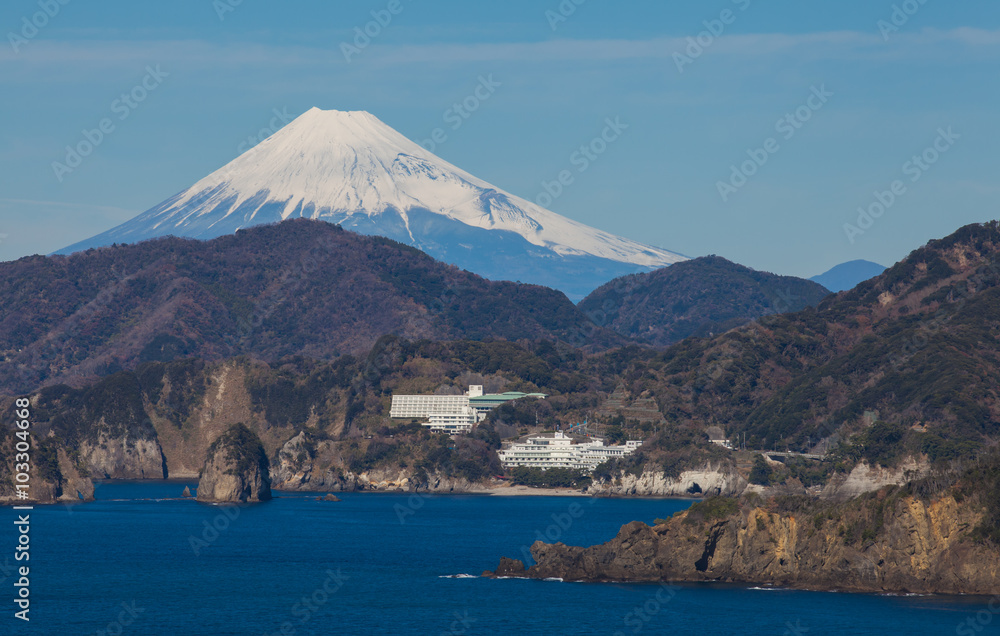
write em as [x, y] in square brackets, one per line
[351, 168]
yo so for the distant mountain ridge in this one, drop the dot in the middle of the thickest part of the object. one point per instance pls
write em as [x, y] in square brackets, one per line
[695, 298]
[908, 360]
[899, 372]
[351, 169]
[294, 288]
[848, 275]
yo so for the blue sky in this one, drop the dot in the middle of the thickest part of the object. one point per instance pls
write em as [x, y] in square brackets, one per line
[693, 111]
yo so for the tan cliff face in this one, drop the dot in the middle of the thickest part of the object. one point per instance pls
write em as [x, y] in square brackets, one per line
[123, 458]
[865, 478]
[61, 483]
[709, 479]
[303, 467]
[920, 547]
[225, 403]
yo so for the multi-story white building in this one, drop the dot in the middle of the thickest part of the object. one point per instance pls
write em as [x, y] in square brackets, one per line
[557, 450]
[451, 413]
[422, 407]
[452, 423]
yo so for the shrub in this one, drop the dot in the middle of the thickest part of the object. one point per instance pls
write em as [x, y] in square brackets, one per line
[760, 474]
[711, 509]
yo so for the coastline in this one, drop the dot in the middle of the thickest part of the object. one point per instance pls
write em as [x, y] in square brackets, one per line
[529, 491]
[501, 490]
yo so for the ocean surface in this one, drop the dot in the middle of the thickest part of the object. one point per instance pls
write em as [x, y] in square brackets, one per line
[141, 561]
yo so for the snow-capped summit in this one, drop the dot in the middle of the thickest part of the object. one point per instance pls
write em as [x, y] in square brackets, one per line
[351, 168]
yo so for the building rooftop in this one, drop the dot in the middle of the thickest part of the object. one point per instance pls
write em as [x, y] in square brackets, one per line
[508, 395]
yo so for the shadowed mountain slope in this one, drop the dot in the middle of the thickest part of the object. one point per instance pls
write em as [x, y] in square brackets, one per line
[299, 287]
[695, 298]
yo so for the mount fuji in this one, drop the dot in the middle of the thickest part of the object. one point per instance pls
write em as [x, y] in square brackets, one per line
[352, 169]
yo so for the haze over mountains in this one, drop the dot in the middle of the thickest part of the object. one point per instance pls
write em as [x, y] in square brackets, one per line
[848, 275]
[352, 169]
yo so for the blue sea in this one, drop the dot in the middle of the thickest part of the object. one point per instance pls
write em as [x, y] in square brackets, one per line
[142, 561]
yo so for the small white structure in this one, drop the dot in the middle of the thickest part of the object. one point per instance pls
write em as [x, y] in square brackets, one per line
[558, 451]
[717, 436]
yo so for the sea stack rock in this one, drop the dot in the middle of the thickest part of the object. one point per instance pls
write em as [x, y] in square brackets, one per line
[236, 469]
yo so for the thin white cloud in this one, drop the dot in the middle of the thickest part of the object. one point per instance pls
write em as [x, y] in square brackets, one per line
[122, 53]
[62, 204]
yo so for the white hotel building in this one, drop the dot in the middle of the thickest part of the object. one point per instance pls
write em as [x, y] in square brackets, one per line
[558, 451]
[451, 413]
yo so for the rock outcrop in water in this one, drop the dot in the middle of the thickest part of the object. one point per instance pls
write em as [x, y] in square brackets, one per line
[890, 542]
[236, 469]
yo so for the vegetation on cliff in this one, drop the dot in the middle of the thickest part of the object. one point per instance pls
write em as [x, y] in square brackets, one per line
[699, 297]
[299, 287]
[916, 346]
[243, 451]
[936, 534]
[236, 468]
[903, 366]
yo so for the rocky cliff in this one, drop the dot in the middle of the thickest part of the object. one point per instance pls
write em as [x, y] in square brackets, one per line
[865, 478]
[709, 479]
[889, 542]
[236, 469]
[53, 476]
[307, 465]
[123, 458]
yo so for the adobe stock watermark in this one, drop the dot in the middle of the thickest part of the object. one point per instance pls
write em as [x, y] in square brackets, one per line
[308, 606]
[975, 625]
[123, 106]
[901, 14]
[449, 297]
[984, 278]
[286, 286]
[69, 506]
[414, 503]
[562, 13]
[7, 569]
[581, 159]
[914, 168]
[714, 29]
[460, 625]
[280, 119]
[222, 7]
[787, 127]
[639, 617]
[38, 356]
[363, 35]
[129, 613]
[32, 25]
[213, 530]
[458, 113]
[561, 523]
